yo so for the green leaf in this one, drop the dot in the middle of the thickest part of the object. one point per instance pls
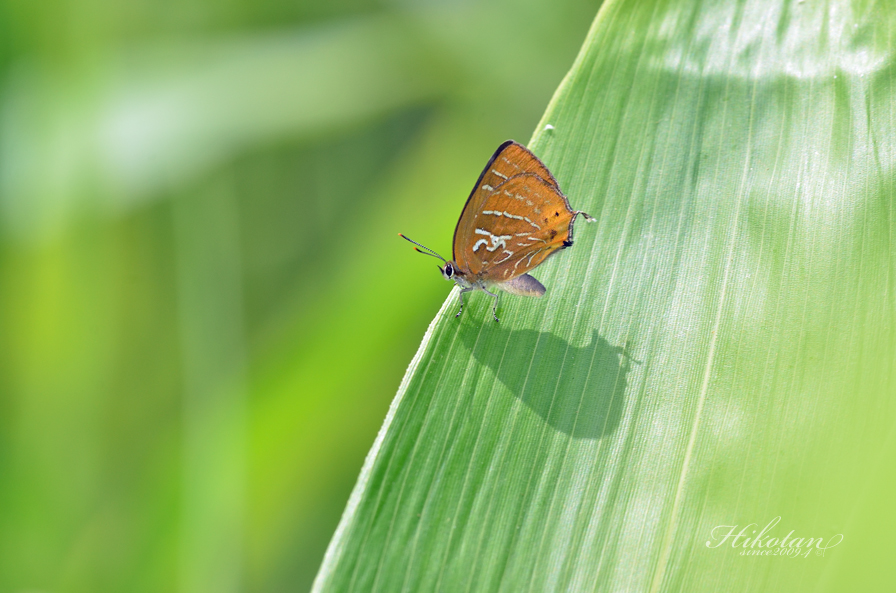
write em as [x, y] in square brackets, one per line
[718, 350]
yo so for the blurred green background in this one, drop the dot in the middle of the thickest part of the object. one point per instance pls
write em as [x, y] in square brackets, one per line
[204, 307]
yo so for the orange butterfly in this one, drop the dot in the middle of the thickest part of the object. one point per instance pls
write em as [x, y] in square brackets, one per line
[513, 220]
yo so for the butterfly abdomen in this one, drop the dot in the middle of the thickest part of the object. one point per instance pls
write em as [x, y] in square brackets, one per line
[524, 285]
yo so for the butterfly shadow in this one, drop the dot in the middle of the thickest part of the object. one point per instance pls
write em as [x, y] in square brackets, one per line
[583, 397]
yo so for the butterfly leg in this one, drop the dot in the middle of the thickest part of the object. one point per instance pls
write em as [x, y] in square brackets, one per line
[494, 305]
[462, 291]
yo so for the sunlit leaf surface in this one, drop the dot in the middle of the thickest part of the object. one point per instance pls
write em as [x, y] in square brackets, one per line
[717, 350]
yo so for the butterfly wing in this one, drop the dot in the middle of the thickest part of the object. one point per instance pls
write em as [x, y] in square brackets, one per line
[509, 228]
[509, 160]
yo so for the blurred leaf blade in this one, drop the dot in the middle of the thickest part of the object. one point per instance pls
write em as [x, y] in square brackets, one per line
[166, 114]
[717, 350]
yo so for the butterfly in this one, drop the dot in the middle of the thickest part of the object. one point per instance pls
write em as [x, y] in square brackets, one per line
[515, 218]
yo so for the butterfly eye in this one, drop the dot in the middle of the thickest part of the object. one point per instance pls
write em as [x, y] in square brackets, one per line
[449, 270]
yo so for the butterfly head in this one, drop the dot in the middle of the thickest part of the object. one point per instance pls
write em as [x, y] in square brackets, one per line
[453, 273]
[449, 272]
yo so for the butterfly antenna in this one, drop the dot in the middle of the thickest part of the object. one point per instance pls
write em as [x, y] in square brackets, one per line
[421, 248]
